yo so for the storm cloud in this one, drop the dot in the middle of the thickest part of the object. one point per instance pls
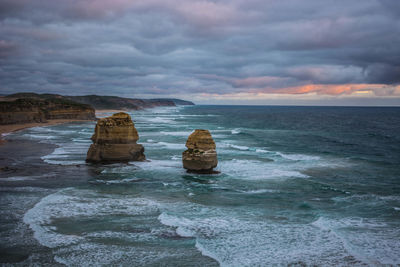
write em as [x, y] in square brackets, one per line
[201, 49]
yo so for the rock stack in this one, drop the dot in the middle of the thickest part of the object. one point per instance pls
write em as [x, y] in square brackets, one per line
[200, 157]
[114, 140]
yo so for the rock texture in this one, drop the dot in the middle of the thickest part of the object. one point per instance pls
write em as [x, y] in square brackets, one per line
[200, 157]
[114, 140]
[28, 110]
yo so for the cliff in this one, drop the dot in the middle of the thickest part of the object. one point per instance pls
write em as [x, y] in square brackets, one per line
[201, 156]
[178, 102]
[114, 140]
[109, 102]
[27, 110]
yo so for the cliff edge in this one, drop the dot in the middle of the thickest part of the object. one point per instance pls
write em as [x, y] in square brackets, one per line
[28, 110]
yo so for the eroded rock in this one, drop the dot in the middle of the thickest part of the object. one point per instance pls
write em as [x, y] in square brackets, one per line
[114, 140]
[201, 156]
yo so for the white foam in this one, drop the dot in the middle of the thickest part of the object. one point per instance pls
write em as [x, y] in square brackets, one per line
[172, 146]
[260, 191]
[235, 131]
[81, 140]
[17, 178]
[367, 197]
[246, 241]
[238, 147]
[67, 154]
[369, 240]
[257, 170]
[41, 137]
[73, 203]
[159, 120]
[182, 133]
[182, 225]
[297, 156]
[118, 181]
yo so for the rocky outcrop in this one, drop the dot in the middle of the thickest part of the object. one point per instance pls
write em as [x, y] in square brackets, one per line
[201, 156]
[28, 110]
[114, 140]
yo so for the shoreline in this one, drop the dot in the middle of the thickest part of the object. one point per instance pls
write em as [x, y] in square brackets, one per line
[10, 128]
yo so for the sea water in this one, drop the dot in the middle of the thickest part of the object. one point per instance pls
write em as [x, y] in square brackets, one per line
[298, 186]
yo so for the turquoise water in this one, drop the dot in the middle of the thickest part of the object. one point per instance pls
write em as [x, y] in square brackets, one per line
[298, 185]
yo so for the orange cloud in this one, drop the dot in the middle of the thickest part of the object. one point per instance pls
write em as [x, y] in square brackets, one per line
[337, 89]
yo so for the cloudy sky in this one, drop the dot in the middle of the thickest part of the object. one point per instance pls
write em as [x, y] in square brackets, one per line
[331, 52]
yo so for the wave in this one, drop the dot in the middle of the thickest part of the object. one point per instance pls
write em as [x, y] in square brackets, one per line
[228, 145]
[17, 178]
[72, 204]
[118, 181]
[159, 119]
[258, 170]
[260, 191]
[297, 156]
[235, 131]
[172, 146]
[40, 137]
[259, 150]
[372, 241]
[234, 241]
[182, 133]
[182, 225]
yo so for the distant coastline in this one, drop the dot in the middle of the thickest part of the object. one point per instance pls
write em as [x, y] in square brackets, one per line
[25, 110]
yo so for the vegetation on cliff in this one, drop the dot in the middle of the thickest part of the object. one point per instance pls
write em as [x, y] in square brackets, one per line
[108, 102]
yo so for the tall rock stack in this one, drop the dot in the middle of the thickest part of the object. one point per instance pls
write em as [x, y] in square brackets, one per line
[114, 140]
[201, 156]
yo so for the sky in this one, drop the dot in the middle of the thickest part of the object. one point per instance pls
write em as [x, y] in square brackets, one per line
[295, 52]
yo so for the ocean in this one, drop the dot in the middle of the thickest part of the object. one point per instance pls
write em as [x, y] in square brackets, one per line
[298, 186]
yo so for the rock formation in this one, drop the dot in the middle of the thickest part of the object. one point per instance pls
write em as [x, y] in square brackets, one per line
[114, 140]
[200, 157]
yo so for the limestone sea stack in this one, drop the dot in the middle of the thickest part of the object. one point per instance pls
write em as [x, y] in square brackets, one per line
[200, 157]
[114, 140]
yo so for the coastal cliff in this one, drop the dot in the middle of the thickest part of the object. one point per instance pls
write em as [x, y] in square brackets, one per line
[201, 156]
[114, 140]
[108, 102]
[28, 110]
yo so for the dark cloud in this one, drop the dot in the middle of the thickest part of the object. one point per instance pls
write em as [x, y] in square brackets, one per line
[200, 48]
